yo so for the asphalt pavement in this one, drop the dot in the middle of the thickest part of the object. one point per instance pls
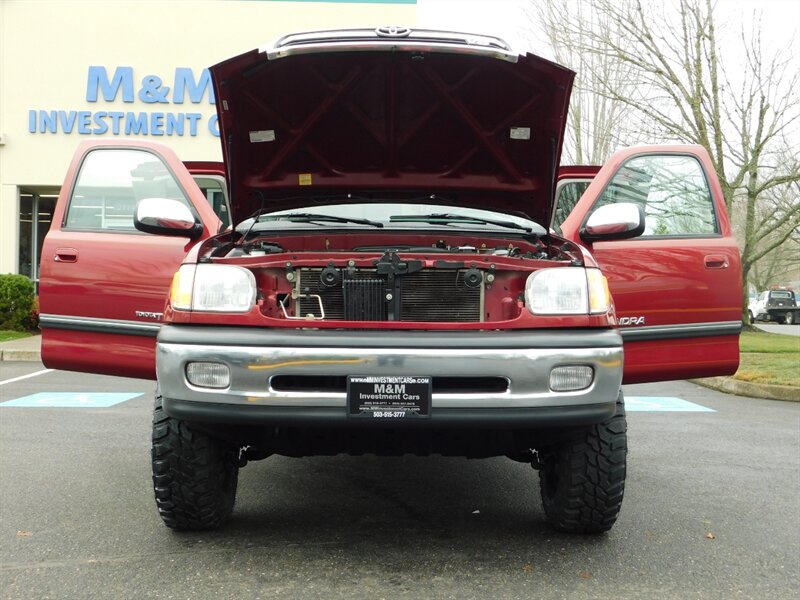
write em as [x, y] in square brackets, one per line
[711, 510]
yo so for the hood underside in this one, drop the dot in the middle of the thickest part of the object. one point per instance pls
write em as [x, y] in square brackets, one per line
[381, 118]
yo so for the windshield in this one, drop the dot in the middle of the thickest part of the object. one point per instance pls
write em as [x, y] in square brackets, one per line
[383, 212]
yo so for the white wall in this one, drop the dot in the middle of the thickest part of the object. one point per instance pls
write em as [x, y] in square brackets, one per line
[47, 46]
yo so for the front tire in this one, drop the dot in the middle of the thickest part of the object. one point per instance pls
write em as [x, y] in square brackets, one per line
[194, 475]
[751, 318]
[582, 478]
[789, 318]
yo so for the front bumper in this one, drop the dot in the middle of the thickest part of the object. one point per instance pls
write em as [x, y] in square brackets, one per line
[255, 357]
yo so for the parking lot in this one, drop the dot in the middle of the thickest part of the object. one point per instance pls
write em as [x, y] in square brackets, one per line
[711, 510]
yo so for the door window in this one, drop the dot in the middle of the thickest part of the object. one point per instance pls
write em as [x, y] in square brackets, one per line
[567, 196]
[673, 191]
[213, 189]
[111, 182]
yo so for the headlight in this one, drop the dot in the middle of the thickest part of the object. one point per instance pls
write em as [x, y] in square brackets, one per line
[567, 291]
[213, 288]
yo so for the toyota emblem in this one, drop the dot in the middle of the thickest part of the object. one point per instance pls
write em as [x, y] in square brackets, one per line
[393, 31]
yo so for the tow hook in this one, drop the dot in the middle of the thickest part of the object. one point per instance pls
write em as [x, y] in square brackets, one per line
[536, 459]
[248, 454]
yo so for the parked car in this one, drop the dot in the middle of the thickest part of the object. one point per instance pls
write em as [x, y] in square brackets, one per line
[775, 305]
[391, 283]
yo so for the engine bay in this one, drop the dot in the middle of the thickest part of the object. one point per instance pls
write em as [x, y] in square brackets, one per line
[372, 277]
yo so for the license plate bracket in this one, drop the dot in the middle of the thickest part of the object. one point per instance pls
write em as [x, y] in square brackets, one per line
[389, 397]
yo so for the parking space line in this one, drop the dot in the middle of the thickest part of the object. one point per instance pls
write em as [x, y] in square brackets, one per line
[662, 404]
[29, 375]
[70, 400]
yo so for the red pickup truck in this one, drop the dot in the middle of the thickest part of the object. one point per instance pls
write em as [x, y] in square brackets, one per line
[394, 279]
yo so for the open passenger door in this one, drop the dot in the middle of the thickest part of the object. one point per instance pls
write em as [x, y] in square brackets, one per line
[676, 286]
[103, 283]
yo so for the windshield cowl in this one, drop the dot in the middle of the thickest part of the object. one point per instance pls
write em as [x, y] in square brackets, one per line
[388, 216]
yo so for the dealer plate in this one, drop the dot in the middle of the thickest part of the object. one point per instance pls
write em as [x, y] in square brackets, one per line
[389, 397]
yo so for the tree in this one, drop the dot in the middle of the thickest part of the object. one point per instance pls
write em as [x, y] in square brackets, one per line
[595, 121]
[744, 113]
[780, 261]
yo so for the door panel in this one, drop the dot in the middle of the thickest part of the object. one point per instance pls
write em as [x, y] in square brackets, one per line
[676, 288]
[103, 284]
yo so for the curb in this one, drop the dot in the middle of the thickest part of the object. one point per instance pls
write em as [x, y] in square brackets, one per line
[729, 385]
[21, 355]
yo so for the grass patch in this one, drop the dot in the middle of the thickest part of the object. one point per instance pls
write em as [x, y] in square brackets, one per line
[769, 358]
[6, 335]
[773, 343]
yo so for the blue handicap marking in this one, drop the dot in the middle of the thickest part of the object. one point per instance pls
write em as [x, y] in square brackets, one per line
[662, 404]
[71, 400]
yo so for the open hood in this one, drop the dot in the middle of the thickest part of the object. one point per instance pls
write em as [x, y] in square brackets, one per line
[392, 114]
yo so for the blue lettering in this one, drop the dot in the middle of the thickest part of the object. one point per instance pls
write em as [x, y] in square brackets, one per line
[213, 125]
[185, 82]
[100, 125]
[135, 123]
[48, 121]
[175, 123]
[116, 117]
[98, 78]
[152, 90]
[193, 119]
[67, 120]
[87, 122]
[84, 122]
[156, 123]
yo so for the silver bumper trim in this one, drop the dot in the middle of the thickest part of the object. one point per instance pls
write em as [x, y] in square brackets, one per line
[526, 369]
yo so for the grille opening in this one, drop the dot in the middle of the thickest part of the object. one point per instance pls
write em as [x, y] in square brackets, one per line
[338, 383]
[438, 295]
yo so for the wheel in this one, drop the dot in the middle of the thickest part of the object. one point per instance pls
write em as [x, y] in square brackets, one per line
[750, 317]
[194, 475]
[582, 478]
[789, 318]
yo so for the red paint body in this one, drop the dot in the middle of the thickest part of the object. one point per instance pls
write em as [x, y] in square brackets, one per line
[670, 281]
[116, 274]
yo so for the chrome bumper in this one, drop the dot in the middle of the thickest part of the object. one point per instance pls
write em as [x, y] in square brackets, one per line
[524, 359]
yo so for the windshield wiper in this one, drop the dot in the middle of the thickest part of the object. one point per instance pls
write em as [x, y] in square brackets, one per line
[309, 217]
[445, 218]
[259, 217]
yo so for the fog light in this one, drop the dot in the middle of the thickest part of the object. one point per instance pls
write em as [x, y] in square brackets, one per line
[208, 374]
[570, 379]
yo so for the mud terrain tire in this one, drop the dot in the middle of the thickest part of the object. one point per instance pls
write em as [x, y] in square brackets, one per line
[582, 479]
[194, 475]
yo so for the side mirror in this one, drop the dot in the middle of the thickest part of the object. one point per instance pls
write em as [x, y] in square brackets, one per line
[166, 217]
[614, 222]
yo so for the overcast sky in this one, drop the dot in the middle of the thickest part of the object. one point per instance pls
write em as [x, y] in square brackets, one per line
[507, 18]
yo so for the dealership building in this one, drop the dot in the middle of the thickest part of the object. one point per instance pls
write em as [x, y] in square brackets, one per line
[125, 69]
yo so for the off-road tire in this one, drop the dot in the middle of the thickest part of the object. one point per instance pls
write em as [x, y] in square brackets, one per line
[194, 475]
[788, 319]
[582, 478]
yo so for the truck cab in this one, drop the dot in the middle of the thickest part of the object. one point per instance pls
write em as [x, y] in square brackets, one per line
[780, 306]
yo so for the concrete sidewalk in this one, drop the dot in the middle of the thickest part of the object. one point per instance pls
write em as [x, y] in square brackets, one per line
[27, 349]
